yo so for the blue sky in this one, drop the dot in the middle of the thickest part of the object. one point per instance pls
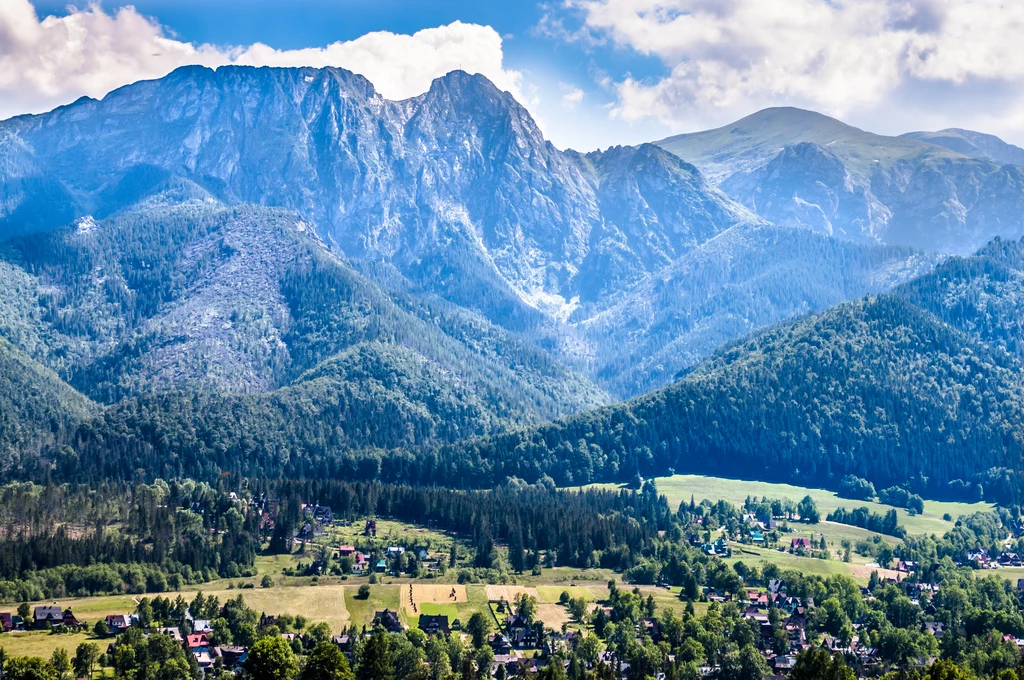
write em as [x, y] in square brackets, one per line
[593, 72]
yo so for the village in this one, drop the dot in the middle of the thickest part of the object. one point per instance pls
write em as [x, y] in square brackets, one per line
[415, 573]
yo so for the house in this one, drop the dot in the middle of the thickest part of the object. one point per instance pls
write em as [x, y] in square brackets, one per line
[198, 642]
[204, 659]
[388, 620]
[360, 564]
[173, 632]
[434, 625]
[785, 663]
[906, 566]
[756, 537]
[934, 628]
[395, 550]
[69, 619]
[343, 642]
[801, 544]
[201, 626]
[51, 615]
[520, 633]
[382, 566]
[320, 513]
[232, 656]
[347, 550]
[500, 644]
[371, 528]
[6, 624]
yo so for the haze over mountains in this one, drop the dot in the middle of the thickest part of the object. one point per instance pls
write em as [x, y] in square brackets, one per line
[279, 271]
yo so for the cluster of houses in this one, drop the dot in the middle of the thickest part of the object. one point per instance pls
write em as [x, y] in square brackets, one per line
[982, 559]
[44, 617]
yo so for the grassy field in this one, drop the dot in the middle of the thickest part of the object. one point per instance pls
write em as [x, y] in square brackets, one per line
[42, 644]
[679, 488]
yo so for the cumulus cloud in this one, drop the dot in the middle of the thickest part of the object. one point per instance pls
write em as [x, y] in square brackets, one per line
[54, 60]
[844, 57]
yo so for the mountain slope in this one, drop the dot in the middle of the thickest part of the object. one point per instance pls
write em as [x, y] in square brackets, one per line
[201, 296]
[452, 196]
[796, 167]
[37, 411]
[974, 144]
[728, 288]
[878, 388]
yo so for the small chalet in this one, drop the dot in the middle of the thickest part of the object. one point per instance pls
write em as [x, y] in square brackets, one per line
[434, 625]
[388, 620]
[232, 656]
[173, 632]
[47, 615]
[347, 550]
[500, 644]
[801, 543]
[6, 624]
[520, 633]
[198, 642]
[371, 528]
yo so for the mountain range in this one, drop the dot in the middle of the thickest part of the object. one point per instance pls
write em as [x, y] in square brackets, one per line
[948, 192]
[279, 271]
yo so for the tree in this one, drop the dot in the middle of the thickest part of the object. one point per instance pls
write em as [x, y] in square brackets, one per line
[375, 661]
[100, 630]
[364, 592]
[25, 611]
[271, 659]
[85, 659]
[578, 608]
[28, 668]
[526, 606]
[60, 663]
[267, 582]
[752, 664]
[808, 510]
[326, 662]
[479, 627]
[818, 664]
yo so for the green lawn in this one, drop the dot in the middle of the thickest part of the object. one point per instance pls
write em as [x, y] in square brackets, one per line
[680, 488]
[42, 644]
[381, 597]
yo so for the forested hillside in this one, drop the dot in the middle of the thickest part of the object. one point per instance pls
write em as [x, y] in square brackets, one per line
[880, 388]
[37, 410]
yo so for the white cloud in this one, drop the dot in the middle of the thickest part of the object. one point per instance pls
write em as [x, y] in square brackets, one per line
[54, 60]
[571, 95]
[849, 58]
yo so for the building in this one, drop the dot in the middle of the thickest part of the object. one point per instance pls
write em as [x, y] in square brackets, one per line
[198, 643]
[6, 624]
[388, 620]
[347, 550]
[434, 625]
[51, 615]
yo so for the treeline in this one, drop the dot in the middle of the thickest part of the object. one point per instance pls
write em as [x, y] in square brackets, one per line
[64, 541]
[584, 529]
[887, 524]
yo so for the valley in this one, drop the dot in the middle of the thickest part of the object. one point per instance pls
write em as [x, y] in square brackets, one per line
[293, 372]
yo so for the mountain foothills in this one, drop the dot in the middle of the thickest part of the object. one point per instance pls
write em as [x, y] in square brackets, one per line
[280, 272]
[920, 387]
